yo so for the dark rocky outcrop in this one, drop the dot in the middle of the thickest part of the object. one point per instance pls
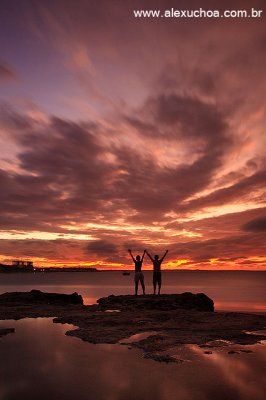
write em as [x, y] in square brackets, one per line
[172, 320]
[165, 302]
[38, 297]
[6, 331]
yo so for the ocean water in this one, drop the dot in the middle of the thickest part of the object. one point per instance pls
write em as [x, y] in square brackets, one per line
[230, 290]
[39, 362]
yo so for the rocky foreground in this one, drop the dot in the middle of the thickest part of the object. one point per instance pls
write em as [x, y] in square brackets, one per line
[173, 320]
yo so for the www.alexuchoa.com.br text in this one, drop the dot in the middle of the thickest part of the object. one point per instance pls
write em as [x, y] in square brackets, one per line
[198, 13]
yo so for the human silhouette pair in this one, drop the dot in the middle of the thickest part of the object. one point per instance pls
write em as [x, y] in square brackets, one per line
[139, 277]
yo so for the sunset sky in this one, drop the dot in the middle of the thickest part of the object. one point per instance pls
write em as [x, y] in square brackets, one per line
[118, 132]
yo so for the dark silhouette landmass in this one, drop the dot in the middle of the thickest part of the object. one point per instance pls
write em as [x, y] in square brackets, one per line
[27, 267]
[166, 302]
[173, 320]
[67, 269]
[17, 266]
[36, 297]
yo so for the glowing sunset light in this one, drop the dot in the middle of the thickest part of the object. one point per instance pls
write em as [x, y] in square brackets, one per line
[43, 236]
[110, 142]
[222, 210]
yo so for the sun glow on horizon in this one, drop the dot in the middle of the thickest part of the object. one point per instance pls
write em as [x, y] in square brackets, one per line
[114, 144]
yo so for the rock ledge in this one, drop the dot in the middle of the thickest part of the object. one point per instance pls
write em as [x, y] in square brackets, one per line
[165, 302]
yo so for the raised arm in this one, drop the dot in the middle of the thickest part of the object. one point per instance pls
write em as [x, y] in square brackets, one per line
[148, 254]
[143, 255]
[131, 255]
[164, 255]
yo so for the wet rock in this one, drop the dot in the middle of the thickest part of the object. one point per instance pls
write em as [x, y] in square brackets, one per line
[6, 331]
[162, 358]
[165, 302]
[36, 296]
[171, 324]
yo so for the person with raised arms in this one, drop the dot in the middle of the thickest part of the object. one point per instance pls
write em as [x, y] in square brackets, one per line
[139, 277]
[157, 275]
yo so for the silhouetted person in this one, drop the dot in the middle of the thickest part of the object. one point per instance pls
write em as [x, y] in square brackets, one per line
[157, 275]
[138, 273]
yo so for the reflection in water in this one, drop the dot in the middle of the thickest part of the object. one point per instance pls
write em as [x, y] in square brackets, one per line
[39, 362]
[251, 306]
[137, 337]
[239, 373]
[230, 290]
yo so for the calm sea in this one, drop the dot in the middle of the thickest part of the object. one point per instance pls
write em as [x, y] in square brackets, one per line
[230, 290]
[39, 362]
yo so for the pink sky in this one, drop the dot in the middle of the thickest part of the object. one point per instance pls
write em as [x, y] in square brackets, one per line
[119, 133]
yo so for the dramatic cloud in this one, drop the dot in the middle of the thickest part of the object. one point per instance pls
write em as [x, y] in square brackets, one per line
[130, 133]
[256, 225]
[101, 248]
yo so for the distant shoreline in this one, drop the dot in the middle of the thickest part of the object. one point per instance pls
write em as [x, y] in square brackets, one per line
[11, 270]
